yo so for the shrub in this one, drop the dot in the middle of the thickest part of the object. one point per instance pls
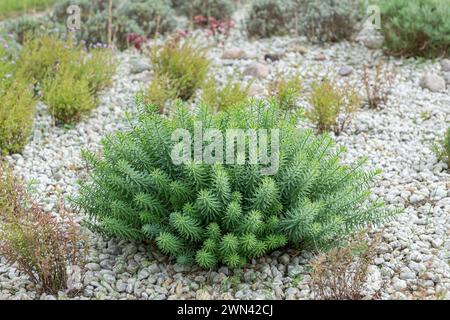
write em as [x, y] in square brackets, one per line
[332, 107]
[328, 20]
[17, 104]
[442, 149]
[286, 91]
[41, 246]
[143, 17]
[160, 93]
[183, 64]
[377, 85]
[269, 18]
[416, 27]
[225, 213]
[341, 273]
[32, 27]
[218, 9]
[69, 76]
[219, 99]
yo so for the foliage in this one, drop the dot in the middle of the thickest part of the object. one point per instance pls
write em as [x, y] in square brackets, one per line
[416, 27]
[160, 92]
[377, 85]
[219, 99]
[225, 213]
[26, 26]
[12, 7]
[17, 103]
[184, 64]
[218, 9]
[442, 149]
[286, 91]
[332, 107]
[69, 76]
[269, 18]
[42, 246]
[341, 273]
[328, 20]
[143, 17]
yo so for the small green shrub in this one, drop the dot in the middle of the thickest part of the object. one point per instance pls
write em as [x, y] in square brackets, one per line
[43, 247]
[328, 20]
[17, 104]
[332, 107]
[68, 75]
[183, 64]
[68, 98]
[32, 27]
[160, 92]
[218, 9]
[224, 98]
[416, 27]
[216, 213]
[269, 18]
[286, 91]
[442, 149]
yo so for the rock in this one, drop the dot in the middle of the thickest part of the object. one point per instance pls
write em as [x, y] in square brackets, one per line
[345, 71]
[256, 90]
[233, 54]
[284, 259]
[139, 66]
[74, 278]
[143, 274]
[445, 65]
[257, 70]
[272, 57]
[437, 243]
[447, 77]
[153, 268]
[320, 57]
[93, 266]
[399, 285]
[373, 42]
[297, 49]
[432, 82]
[407, 275]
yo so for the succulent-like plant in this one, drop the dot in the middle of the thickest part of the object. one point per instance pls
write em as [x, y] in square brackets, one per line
[217, 213]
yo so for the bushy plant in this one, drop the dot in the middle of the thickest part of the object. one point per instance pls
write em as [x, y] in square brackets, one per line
[218, 9]
[416, 27]
[143, 17]
[217, 213]
[328, 20]
[269, 18]
[286, 91]
[332, 107]
[217, 98]
[442, 149]
[17, 103]
[183, 63]
[68, 75]
[377, 85]
[160, 93]
[40, 245]
[32, 27]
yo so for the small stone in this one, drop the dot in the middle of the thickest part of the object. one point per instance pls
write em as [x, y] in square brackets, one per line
[256, 90]
[272, 57]
[447, 77]
[93, 266]
[399, 285]
[407, 275]
[153, 268]
[320, 57]
[345, 71]
[373, 42]
[437, 243]
[284, 259]
[143, 274]
[445, 65]
[298, 49]
[432, 82]
[139, 66]
[233, 54]
[257, 70]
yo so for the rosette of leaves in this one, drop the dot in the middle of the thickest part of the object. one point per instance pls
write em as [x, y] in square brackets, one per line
[214, 213]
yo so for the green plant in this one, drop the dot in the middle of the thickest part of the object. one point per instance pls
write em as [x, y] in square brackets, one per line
[17, 104]
[160, 92]
[12, 7]
[68, 98]
[442, 149]
[328, 20]
[416, 27]
[42, 246]
[26, 26]
[218, 9]
[223, 98]
[286, 91]
[183, 64]
[332, 107]
[377, 85]
[269, 18]
[216, 213]
[341, 273]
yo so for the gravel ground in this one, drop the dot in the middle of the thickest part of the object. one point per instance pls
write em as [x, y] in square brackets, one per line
[413, 257]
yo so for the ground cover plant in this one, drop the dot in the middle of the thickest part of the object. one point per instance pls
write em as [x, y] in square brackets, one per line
[416, 27]
[217, 214]
[13, 7]
[222, 98]
[269, 18]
